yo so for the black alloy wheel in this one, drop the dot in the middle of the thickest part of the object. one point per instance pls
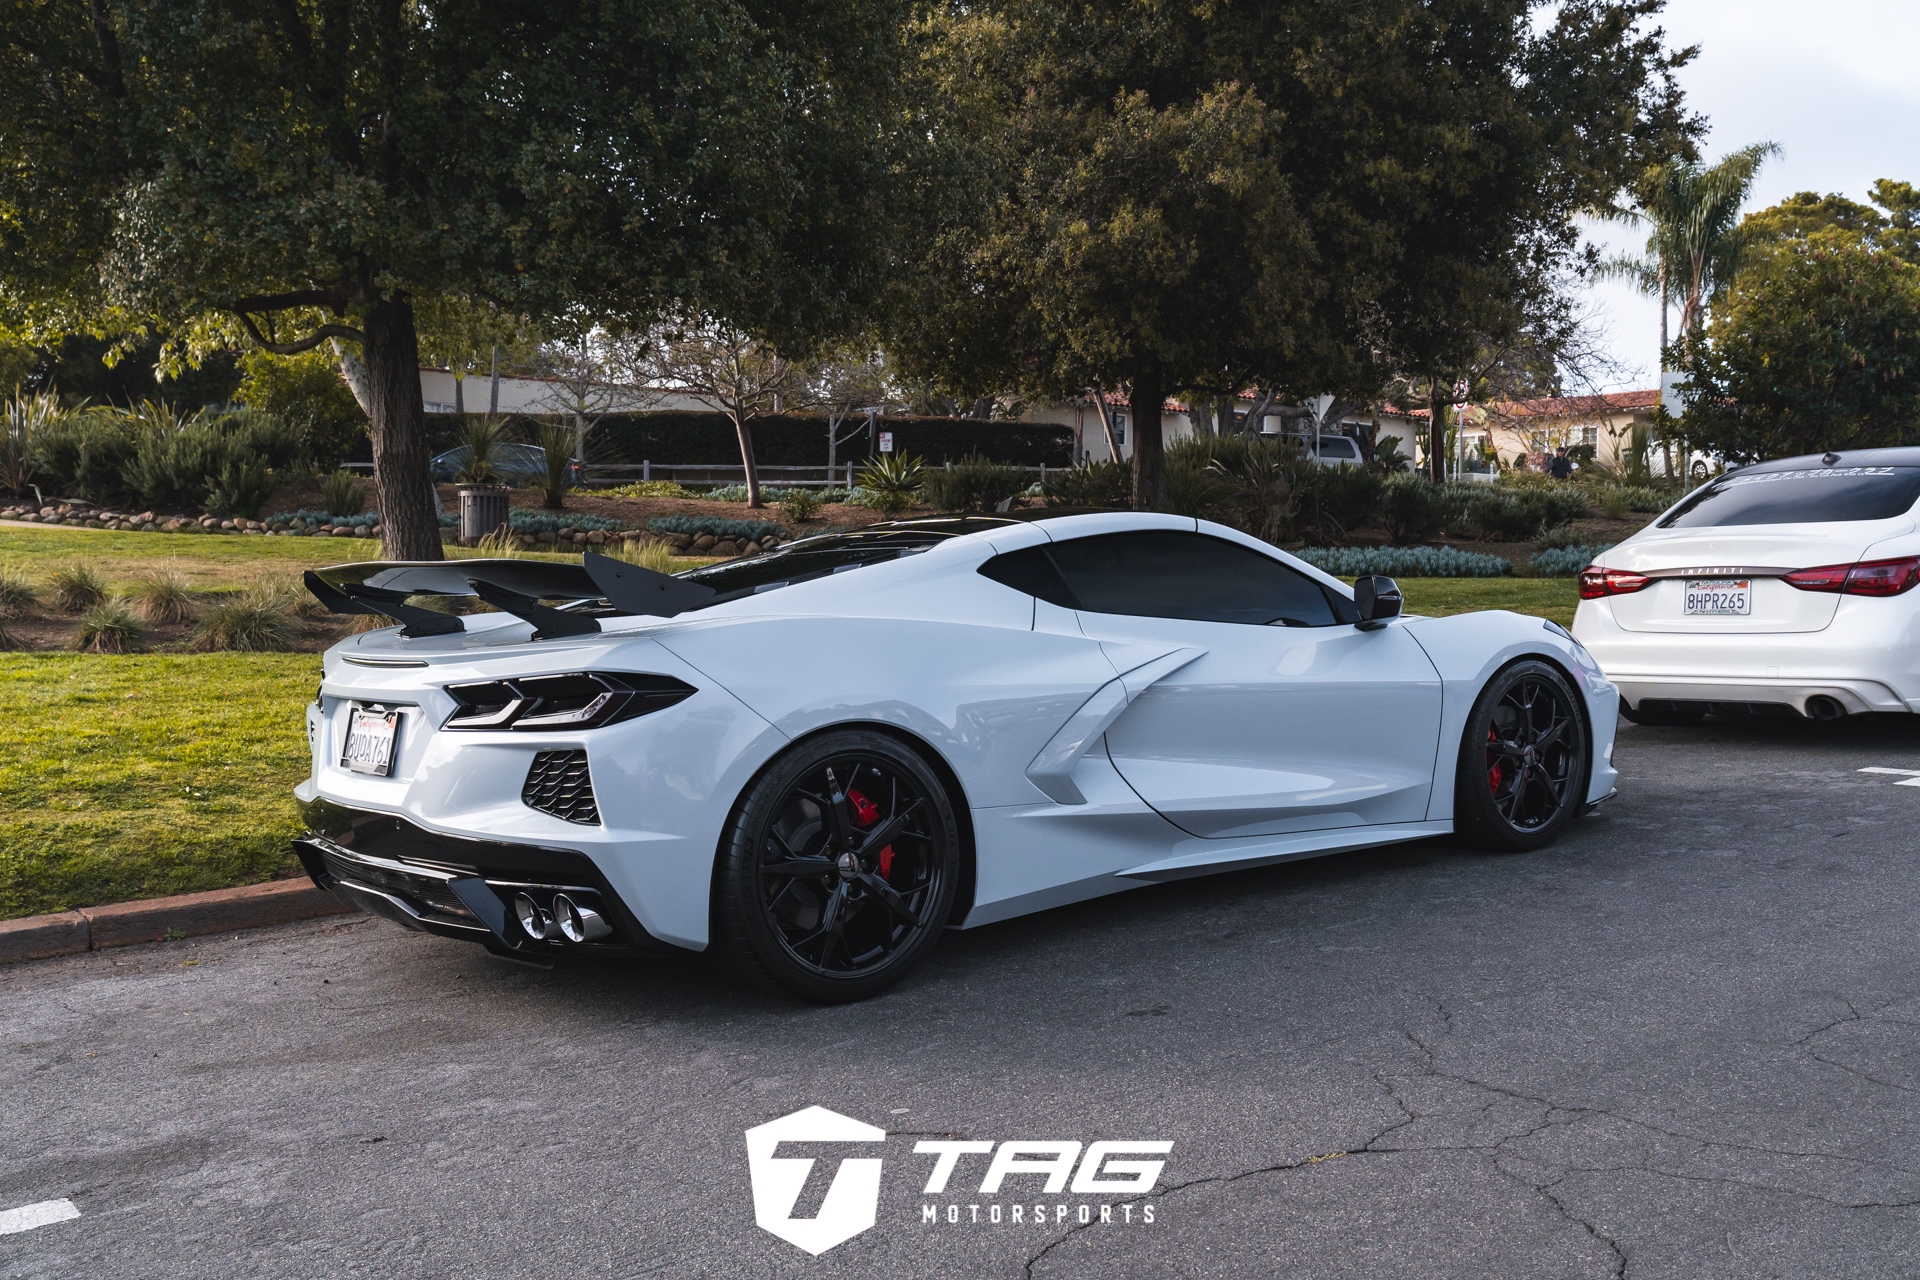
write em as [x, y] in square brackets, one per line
[839, 869]
[1524, 760]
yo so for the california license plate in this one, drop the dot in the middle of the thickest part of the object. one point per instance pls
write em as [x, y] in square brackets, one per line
[370, 739]
[1719, 597]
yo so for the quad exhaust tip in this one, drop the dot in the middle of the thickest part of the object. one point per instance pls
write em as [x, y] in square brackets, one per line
[568, 920]
[534, 920]
[1822, 707]
[578, 923]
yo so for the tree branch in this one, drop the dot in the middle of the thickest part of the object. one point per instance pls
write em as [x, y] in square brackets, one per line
[307, 343]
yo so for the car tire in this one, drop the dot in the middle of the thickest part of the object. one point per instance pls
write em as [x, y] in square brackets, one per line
[785, 859]
[1526, 758]
[1669, 715]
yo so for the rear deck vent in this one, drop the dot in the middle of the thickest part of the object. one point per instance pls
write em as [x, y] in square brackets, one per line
[559, 784]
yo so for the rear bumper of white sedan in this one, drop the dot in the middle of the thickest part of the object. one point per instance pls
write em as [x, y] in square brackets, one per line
[1866, 659]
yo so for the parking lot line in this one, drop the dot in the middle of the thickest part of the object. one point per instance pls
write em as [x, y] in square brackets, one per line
[29, 1216]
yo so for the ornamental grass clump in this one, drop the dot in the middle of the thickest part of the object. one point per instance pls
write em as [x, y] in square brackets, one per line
[251, 622]
[649, 554]
[77, 589]
[342, 494]
[17, 595]
[109, 627]
[163, 596]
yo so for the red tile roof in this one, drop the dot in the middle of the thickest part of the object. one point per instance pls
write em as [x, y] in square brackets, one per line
[1577, 406]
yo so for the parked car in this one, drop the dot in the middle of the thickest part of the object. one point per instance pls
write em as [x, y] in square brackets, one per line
[515, 463]
[1784, 588]
[814, 761]
[1329, 451]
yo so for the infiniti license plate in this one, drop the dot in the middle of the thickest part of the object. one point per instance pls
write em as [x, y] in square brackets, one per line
[1719, 597]
[370, 739]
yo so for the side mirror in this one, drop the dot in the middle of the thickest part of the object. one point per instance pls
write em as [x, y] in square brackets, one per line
[1377, 599]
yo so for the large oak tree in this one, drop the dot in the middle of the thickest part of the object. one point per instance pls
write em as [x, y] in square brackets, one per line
[304, 171]
[1302, 195]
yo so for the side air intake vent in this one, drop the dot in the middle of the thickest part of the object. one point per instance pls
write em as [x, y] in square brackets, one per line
[559, 784]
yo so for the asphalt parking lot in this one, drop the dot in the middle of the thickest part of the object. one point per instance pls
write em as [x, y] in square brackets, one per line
[1685, 1042]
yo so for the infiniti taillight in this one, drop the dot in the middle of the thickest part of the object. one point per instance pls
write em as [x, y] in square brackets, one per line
[1596, 582]
[1868, 578]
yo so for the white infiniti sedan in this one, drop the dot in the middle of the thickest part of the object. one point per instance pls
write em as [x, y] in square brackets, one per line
[815, 761]
[1783, 588]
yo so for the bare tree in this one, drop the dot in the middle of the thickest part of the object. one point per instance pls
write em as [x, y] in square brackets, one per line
[728, 370]
[842, 384]
[594, 372]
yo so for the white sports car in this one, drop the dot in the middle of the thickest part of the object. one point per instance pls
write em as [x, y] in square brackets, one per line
[1782, 588]
[814, 760]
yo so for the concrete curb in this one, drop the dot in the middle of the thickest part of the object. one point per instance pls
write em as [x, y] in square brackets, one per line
[125, 924]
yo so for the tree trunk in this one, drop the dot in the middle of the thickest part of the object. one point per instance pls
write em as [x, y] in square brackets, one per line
[353, 371]
[1436, 433]
[459, 393]
[1106, 424]
[1200, 418]
[1149, 463]
[746, 458]
[493, 397]
[409, 521]
[1663, 315]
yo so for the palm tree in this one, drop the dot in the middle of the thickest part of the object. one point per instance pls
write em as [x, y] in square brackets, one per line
[1695, 247]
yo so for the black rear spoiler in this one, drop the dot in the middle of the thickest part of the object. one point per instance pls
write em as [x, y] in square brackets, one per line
[518, 587]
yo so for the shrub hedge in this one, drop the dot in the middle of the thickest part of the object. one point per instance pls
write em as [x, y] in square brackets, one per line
[1406, 562]
[1564, 562]
[695, 438]
[715, 525]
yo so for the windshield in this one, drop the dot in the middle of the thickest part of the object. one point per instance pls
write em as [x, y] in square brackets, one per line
[1817, 495]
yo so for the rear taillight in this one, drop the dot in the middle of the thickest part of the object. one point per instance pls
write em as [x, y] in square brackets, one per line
[1868, 578]
[1596, 582]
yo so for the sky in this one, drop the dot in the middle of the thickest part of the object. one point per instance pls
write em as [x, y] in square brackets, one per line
[1835, 82]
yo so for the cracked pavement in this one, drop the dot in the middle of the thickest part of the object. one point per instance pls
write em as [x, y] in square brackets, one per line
[1684, 1042]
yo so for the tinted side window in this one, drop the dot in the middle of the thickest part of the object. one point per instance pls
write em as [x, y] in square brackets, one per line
[1166, 574]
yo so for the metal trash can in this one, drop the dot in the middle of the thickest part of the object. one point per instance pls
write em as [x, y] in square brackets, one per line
[483, 510]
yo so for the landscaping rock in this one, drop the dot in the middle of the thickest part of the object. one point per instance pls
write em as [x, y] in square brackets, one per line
[596, 538]
[704, 542]
[726, 547]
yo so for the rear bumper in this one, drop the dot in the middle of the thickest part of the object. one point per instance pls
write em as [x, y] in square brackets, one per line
[460, 888]
[1867, 660]
[1856, 696]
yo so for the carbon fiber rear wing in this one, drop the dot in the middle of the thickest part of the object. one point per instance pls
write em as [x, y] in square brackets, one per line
[519, 587]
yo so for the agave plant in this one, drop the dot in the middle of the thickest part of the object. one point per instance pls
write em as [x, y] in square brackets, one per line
[894, 473]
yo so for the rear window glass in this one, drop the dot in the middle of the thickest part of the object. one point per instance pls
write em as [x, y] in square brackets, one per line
[1817, 495]
[812, 558]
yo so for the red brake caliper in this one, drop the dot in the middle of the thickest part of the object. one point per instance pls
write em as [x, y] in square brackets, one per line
[866, 813]
[1494, 774]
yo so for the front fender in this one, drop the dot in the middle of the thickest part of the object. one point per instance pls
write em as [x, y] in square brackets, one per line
[1468, 648]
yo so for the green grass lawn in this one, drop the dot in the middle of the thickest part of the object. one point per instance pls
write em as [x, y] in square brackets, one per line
[141, 776]
[1553, 598]
[206, 560]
